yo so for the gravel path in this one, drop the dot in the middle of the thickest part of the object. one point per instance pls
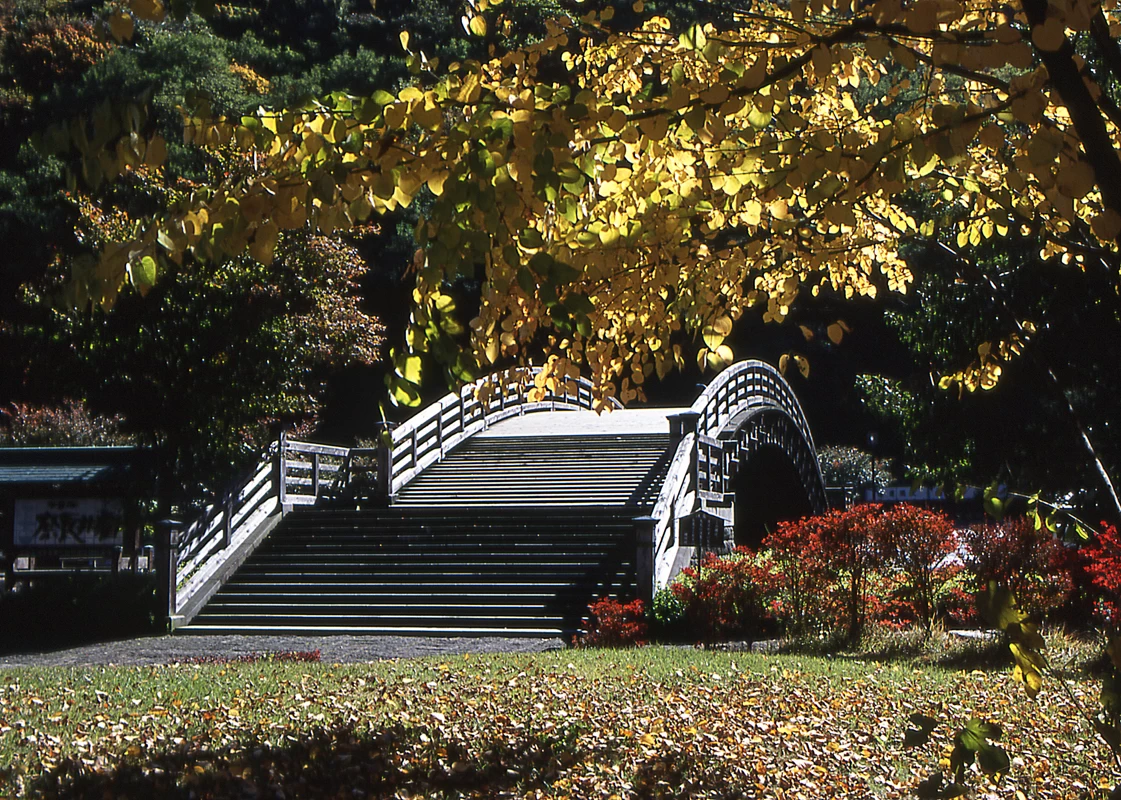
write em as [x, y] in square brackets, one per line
[333, 649]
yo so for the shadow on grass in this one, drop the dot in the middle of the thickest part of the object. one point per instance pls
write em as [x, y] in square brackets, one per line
[333, 762]
[336, 762]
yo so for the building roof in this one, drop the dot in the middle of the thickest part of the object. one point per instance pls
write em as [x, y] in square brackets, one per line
[55, 465]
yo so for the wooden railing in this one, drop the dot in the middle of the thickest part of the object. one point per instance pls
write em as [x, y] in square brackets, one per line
[226, 528]
[311, 471]
[426, 438]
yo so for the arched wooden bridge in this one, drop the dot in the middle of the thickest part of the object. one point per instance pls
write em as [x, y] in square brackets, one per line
[497, 517]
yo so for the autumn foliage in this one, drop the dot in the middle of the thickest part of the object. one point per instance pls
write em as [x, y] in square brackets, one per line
[613, 623]
[1022, 557]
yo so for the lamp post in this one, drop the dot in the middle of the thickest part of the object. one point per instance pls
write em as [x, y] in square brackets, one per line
[873, 440]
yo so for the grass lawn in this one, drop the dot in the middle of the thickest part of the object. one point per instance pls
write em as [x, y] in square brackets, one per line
[654, 722]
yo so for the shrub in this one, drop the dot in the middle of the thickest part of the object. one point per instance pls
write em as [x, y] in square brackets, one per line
[1103, 568]
[1030, 561]
[667, 610]
[723, 597]
[916, 541]
[71, 609]
[611, 623]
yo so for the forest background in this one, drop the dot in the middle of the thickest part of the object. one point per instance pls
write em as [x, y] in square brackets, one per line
[215, 359]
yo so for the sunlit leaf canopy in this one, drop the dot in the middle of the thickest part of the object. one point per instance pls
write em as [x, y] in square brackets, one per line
[625, 192]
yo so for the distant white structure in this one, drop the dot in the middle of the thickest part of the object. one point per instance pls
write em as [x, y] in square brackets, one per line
[904, 493]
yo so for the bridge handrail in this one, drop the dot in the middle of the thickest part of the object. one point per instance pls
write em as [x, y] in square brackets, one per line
[674, 488]
[747, 382]
[425, 438]
[221, 528]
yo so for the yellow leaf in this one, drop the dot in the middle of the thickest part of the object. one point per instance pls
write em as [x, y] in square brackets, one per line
[722, 325]
[835, 333]
[783, 363]
[1107, 225]
[156, 153]
[263, 246]
[122, 26]
[404, 37]
[712, 337]
[807, 334]
[436, 183]
[151, 10]
[803, 365]
[1049, 36]
[478, 25]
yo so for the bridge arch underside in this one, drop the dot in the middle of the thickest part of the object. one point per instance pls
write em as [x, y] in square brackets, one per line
[777, 477]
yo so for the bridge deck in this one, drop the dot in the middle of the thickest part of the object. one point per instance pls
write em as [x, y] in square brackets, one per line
[569, 458]
[578, 422]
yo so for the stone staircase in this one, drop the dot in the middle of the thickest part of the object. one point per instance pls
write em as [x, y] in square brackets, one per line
[508, 535]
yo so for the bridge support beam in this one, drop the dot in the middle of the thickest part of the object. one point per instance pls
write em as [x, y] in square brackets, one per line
[644, 557]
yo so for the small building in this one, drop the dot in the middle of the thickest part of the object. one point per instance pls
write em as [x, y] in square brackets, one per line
[67, 509]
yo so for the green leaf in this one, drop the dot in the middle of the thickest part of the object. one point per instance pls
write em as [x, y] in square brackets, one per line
[992, 759]
[542, 264]
[144, 274]
[579, 304]
[383, 98]
[527, 281]
[531, 238]
[402, 393]
[563, 273]
[409, 368]
[997, 605]
[975, 733]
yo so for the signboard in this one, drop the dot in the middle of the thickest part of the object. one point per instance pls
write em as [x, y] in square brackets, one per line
[69, 522]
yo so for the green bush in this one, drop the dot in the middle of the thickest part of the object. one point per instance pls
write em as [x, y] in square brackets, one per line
[78, 608]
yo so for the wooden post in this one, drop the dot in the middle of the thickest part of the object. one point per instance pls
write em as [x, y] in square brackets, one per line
[681, 425]
[167, 562]
[384, 474]
[282, 472]
[228, 521]
[644, 557]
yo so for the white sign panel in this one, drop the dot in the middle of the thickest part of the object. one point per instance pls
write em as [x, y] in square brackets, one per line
[68, 522]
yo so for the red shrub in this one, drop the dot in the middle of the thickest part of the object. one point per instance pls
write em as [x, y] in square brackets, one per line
[723, 597]
[1103, 567]
[1028, 560]
[806, 601]
[611, 623]
[916, 541]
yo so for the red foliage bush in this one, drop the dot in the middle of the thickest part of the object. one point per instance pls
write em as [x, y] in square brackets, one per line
[807, 600]
[844, 568]
[916, 542]
[1103, 568]
[1028, 560]
[724, 596]
[611, 623]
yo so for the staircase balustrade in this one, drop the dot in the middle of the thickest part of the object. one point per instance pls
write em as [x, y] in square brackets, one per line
[427, 437]
[235, 521]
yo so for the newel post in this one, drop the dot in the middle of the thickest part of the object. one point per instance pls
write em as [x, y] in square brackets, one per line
[385, 460]
[167, 562]
[282, 472]
[644, 557]
[681, 425]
